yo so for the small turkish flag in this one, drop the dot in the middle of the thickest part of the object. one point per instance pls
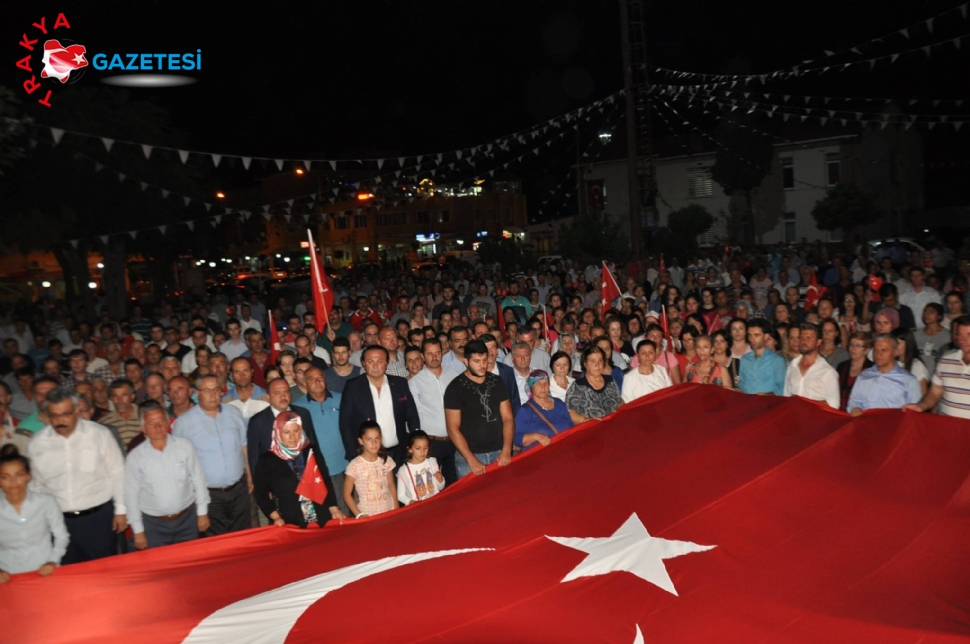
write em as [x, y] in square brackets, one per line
[274, 339]
[60, 61]
[319, 285]
[611, 290]
[312, 485]
[875, 283]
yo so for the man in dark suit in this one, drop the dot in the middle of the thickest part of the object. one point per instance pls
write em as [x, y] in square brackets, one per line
[503, 371]
[378, 397]
[259, 434]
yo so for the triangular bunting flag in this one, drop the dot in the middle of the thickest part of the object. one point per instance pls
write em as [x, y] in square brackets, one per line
[97, 167]
[104, 239]
[279, 164]
[208, 207]
[287, 217]
[217, 219]
[184, 156]
[74, 243]
[121, 177]
[191, 225]
[216, 158]
[267, 216]
[133, 233]
[186, 200]
[57, 133]
[107, 143]
[143, 185]
[165, 194]
[246, 161]
[147, 150]
[333, 166]
[162, 229]
[289, 201]
[380, 163]
[308, 163]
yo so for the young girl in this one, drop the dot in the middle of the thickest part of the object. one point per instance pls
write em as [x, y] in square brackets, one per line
[372, 473]
[33, 536]
[420, 478]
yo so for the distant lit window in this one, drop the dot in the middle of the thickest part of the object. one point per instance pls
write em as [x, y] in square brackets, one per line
[788, 173]
[833, 169]
[699, 183]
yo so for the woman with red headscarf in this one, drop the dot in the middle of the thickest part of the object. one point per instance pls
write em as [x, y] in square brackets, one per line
[279, 472]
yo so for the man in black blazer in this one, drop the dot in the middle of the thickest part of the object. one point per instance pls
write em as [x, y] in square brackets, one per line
[360, 401]
[259, 434]
[503, 371]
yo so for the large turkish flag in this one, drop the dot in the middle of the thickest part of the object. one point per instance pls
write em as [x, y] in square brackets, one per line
[693, 515]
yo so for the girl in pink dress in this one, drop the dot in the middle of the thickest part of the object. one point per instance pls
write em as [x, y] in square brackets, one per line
[372, 474]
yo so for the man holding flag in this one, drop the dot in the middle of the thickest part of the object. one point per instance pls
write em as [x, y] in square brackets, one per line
[610, 293]
[319, 285]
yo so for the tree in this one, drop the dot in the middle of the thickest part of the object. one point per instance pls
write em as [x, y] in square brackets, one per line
[740, 166]
[55, 195]
[845, 206]
[679, 237]
[504, 252]
[594, 237]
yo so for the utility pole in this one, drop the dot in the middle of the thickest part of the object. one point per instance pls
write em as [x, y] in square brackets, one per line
[633, 176]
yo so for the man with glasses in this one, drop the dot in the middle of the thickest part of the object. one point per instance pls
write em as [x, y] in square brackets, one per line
[79, 463]
[218, 434]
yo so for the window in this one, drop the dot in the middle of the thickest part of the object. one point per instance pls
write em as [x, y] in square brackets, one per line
[341, 222]
[833, 168]
[424, 217]
[444, 216]
[384, 219]
[790, 230]
[360, 221]
[699, 182]
[400, 219]
[788, 173]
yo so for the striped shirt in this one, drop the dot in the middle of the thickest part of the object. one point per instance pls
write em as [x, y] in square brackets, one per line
[954, 376]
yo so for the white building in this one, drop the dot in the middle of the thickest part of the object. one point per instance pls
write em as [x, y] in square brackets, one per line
[886, 163]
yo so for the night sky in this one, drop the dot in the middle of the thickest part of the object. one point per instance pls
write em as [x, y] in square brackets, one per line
[372, 78]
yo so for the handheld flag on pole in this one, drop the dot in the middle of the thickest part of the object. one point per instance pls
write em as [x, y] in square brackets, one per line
[665, 325]
[274, 339]
[312, 485]
[611, 290]
[319, 284]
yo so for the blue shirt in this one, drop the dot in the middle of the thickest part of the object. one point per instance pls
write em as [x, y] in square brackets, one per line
[876, 390]
[527, 421]
[326, 425]
[218, 441]
[764, 375]
[35, 536]
[258, 393]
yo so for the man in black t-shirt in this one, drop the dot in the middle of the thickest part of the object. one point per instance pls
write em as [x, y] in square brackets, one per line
[478, 415]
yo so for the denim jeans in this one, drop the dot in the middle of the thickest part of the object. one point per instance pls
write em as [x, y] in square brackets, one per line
[485, 458]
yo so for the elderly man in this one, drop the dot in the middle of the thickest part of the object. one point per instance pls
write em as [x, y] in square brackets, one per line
[218, 434]
[170, 367]
[478, 415]
[80, 464]
[379, 397]
[324, 408]
[179, 397]
[885, 385]
[428, 387]
[155, 389]
[165, 488]
[809, 375]
[539, 358]
[219, 367]
[949, 388]
[521, 359]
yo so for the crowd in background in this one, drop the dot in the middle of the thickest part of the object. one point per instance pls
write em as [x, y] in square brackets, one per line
[181, 420]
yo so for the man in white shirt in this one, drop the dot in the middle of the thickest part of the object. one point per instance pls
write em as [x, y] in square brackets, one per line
[521, 356]
[79, 462]
[809, 375]
[918, 295]
[428, 388]
[647, 377]
[247, 397]
[247, 321]
[948, 387]
[455, 358]
[165, 487]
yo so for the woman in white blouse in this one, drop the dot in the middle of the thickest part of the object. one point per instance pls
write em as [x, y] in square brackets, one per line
[562, 366]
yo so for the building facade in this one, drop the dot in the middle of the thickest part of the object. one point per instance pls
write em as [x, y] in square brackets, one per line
[886, 163]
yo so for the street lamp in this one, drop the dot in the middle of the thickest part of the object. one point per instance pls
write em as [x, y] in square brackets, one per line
[92, 285]
[299, 170]
[220, 195]
[45, 284]
[605, 137]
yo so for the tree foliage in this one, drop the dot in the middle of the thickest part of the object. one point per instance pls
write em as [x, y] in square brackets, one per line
[504, 252]
[594, 237]
[679, 237]
[740, 166]
[845, 206]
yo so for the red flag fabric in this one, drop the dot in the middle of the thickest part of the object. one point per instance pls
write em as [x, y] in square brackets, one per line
[695, 514]
[274, 339]
[611, 290]
[875, 283]
[814, 293]
[312, 485]
[320, 285]
[500, 320]
[665, 325]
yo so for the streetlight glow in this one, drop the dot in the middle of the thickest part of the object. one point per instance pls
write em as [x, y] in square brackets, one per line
[220, 195]
[92, 285]
[45, 284]
[100, 265]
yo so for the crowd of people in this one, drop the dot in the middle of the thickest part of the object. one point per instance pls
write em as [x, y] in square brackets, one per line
[126, 434]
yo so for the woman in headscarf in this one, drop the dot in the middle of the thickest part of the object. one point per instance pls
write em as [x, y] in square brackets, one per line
[542, 416]
[279, 472]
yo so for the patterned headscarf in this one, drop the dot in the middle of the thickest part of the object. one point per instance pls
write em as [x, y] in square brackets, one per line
[890, 314]
[534, 378]
[277, 446]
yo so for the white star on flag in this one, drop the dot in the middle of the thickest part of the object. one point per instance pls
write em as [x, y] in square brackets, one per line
[630, 549]
[78, 59]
